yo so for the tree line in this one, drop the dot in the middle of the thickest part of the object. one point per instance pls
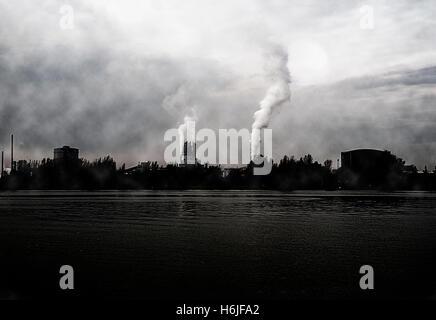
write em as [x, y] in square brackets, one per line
[287, 174]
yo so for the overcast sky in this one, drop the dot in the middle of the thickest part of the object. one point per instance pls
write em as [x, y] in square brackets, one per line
[129, 70]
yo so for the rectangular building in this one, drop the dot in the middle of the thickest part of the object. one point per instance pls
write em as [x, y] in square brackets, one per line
[66, 154]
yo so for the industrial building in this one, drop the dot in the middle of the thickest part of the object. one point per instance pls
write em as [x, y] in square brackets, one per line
[189, 153]
[366, 168]
[362, 160]
[66, 154]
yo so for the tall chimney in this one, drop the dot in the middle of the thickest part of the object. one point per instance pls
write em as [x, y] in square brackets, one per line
[3, 168]
[12, 152]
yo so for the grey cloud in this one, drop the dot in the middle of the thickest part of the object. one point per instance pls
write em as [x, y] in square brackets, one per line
[100, 102]
[358, 112]
[422, 76]
[113, 87]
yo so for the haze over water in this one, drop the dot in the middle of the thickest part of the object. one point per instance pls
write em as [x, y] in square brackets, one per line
[225, 244]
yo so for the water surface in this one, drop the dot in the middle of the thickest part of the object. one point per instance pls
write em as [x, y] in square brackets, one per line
[217, 244]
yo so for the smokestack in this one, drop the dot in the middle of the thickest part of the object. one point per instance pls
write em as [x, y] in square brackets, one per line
[12, 152]
[187, 138]
[3, 168]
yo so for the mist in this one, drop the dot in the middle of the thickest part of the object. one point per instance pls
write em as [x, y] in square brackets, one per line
[128, 71]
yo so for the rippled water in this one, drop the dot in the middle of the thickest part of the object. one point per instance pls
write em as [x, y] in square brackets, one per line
[217, 244]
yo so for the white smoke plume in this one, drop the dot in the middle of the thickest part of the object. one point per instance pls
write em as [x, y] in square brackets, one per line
[177, 103]
[181, 103]
[277, 94]
[184, 133]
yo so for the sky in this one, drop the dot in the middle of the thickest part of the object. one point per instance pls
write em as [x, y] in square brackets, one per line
[119, 74]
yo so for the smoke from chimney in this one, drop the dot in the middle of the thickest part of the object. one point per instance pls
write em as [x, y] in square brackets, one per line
[277, 94]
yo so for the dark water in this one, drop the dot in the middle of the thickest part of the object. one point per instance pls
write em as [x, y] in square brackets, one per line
[217, 244]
